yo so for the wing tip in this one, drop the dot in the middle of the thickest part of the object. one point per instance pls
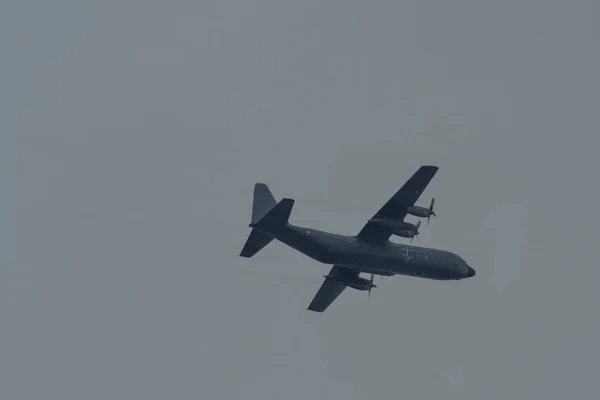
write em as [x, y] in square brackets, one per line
[315, 306]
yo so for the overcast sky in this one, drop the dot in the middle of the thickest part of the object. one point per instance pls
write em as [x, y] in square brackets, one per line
[133, 133]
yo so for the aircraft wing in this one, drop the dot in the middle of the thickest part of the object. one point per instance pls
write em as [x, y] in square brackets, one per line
[395, 208]
[330, 289]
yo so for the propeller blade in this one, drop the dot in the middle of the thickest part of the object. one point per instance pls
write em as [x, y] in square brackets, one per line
[431, 212]
[371, 287]
[416, 235]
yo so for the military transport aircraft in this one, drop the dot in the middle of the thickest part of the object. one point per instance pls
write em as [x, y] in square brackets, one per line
[369, 252]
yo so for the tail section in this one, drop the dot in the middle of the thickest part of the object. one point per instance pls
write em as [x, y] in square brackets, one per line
[263, 202]
[267, 216]
[255, 243]
[277, 217]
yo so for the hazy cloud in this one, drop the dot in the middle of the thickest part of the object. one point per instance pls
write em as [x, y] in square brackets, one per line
[133, 132]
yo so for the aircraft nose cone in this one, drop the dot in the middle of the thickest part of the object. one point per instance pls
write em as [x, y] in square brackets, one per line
[470, 272]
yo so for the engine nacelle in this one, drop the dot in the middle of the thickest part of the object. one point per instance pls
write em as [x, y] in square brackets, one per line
[395, 224]
[399, 228]
[418, 211]
[422, 212]
[406, 234]
[360, 284]
[357, 283]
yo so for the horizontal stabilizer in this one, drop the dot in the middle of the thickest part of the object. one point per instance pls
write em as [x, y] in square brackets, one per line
[255, 243]
[277, 217]
[267, 215]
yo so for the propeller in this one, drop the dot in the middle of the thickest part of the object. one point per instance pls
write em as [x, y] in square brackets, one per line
[371, 287]
[416, 234]
[431, 212]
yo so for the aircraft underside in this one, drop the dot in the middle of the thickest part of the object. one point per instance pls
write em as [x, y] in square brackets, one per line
[399, 267]
[393, 260]
[370, 251]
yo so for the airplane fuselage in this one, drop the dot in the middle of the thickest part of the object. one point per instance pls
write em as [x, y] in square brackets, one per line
[381, 258]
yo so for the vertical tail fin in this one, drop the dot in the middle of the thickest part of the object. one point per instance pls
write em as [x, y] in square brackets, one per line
[266, 214]
[263, 202]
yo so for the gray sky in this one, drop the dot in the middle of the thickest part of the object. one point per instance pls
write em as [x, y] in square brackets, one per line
[134, 131]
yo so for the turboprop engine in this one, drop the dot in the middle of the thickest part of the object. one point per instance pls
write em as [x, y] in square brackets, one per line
[399, 228]
[422, 212]
[357, 283]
